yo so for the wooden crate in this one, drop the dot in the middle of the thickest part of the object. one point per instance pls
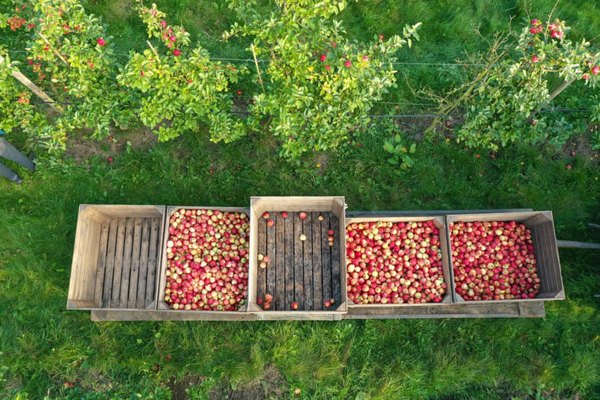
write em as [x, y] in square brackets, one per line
[162, 278]
[440, 223]
[306, 272]
[541, 224]
[115, 257]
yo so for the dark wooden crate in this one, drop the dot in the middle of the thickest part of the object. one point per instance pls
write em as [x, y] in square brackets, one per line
[162, 277]
[440, 223]
[115, 258]
[306, 272]
[541, 224]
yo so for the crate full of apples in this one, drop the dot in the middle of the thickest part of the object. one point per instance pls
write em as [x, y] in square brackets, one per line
[205, 261]
[397, 261]
[503, 257]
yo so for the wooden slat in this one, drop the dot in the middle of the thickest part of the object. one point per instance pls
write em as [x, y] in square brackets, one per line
[279, 263]
[169, 315]
[307, 264]
[271, 252]
[116, 287]
[316, 263]
[135, 264]
[289, 261]
[298, 262]
[152, 260]
[261, 277]
[110, 262]
[126, 270]
[336, 280]
[143, 270]
[101, 263]
[326, 258]
[79, 265]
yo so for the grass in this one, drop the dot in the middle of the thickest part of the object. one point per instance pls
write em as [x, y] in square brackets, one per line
[557, 357]
[44, 345]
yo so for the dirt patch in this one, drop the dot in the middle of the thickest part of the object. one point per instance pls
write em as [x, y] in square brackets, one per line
[580, 146]
[271, 385]
[178, 388]
[80, 147]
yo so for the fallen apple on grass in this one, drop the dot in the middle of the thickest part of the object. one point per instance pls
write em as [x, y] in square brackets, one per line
[394, 262]
[207, 260]
[493, 261]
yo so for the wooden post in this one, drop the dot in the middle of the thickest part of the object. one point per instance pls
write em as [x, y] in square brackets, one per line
[568, 244]
[54, 50]
[257, 68]
[36, 90]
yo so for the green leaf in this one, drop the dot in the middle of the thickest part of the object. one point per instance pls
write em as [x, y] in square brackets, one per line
[413, 148]
[387, 146]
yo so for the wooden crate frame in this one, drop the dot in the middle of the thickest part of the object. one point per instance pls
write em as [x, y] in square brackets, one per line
[98, 252]
[259, 205]
[541, 224]
[161, 305]
[440, 223]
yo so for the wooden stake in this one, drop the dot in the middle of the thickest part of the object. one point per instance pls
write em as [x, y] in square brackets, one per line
[36, 90]
[257, 68]
[54, 50]
[154, 50]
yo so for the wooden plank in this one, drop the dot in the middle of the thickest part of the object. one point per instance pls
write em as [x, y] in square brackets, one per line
[261, 276]
[76, 255]
[116, 286]
[307, 263]
[298, 262]
[289, 261]
[101, 263]
[532, 309]
[127, 256]
[326, 258]
[152, 261]
[110, 262]
[79, 265]
[271, 253]
[569, 244]
[169, 315]
[143, 272]
[430, 212]
[128, 211]
[316, 263]
[279, 262]
[134, 280]
[31, 86]
[336, 260]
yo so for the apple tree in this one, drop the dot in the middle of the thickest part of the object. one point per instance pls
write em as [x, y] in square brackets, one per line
[318, 86]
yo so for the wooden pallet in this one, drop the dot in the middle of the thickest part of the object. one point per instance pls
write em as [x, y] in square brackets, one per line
[274, 278]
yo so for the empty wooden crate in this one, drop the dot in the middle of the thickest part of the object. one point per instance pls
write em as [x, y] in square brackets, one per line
[115, 257]
[541, 225]
[440, 224]
[304, 268]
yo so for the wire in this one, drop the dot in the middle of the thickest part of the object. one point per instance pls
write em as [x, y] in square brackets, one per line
[249, 60]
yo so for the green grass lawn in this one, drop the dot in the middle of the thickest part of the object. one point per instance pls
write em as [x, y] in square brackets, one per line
[43, 346]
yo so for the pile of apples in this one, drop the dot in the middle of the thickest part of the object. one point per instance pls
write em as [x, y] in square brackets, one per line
[394, 262]
[207, 260]
[493, 261]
